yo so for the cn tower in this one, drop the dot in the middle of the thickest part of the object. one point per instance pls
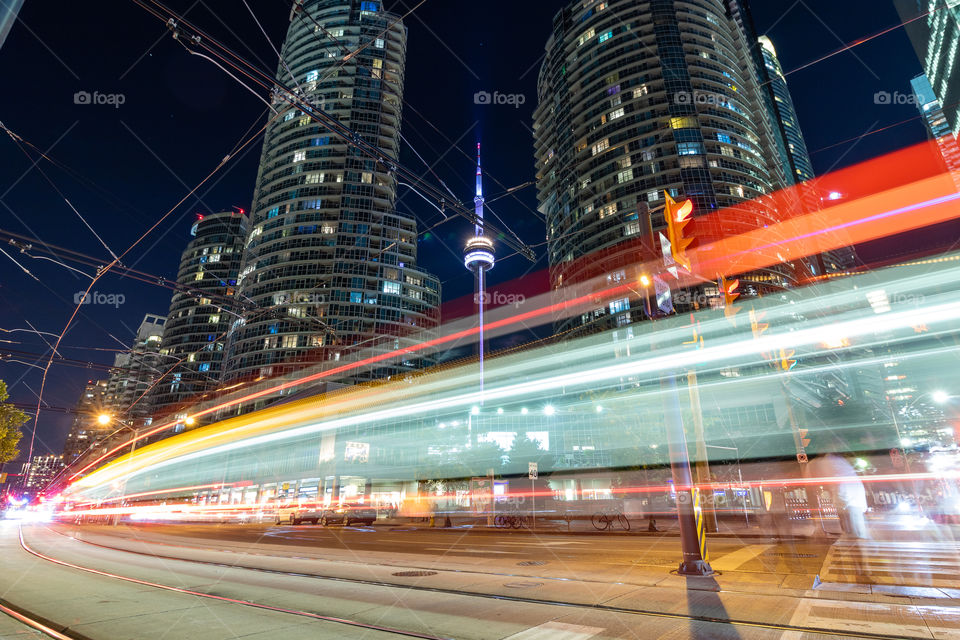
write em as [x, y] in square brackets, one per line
[478, 257]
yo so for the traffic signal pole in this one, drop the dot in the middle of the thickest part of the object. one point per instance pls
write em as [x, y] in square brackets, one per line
[692, 540]
[702, 461]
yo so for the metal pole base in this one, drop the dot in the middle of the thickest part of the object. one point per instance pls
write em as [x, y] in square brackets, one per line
[695, 568]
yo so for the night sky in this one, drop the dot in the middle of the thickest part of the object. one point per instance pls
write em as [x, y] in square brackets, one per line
[123, 167]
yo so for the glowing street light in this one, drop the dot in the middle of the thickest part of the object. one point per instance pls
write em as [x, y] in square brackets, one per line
[103, 418]
[940, 396]
[549, 410]
[645, 280]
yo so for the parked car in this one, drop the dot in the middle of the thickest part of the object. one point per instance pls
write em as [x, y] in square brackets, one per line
[347, 514]
[297, 514]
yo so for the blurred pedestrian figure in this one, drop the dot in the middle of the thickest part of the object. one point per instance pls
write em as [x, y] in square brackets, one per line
[847, 490]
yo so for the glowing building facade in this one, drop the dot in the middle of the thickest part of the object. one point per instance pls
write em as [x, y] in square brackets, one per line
[936, 39]
[330, 265]
[201, 311]
[638, 98]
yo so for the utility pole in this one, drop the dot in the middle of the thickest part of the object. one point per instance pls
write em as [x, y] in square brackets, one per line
[693, 542]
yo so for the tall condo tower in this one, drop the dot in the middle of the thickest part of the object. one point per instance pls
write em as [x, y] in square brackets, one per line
[201, 311]
[330, 265]
[636, 98]
[478, 257]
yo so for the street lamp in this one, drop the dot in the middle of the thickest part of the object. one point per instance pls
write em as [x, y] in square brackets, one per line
[940, 396]
[103, 419]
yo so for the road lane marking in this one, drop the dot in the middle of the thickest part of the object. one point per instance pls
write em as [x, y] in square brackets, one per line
[557, 631]
[733, 561]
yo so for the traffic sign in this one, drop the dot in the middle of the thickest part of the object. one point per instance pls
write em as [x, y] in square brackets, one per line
[532, 468]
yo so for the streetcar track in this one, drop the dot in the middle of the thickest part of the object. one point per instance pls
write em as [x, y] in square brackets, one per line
[501, 597]
[248, 603]
[33, 621]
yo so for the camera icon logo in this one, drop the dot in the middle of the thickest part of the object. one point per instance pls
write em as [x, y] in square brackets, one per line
[882, 97]
[82, 97]
[482, 97]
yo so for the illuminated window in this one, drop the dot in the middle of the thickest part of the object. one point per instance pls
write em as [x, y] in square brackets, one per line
[391, 287]
[214, 319]
[299, 156]
[378, 43]
[608, 210]
[625, 176]
[601, 146]
[366, 177]
[685, 122]
[289, 342]
[616, 114]
[313, 75]
[605, 36]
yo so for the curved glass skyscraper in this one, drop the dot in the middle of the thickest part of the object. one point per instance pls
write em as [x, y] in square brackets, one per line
[637, 98]
[196, 329]
[330, 265]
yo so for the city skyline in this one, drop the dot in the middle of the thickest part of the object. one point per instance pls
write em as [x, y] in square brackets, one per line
[472, 73]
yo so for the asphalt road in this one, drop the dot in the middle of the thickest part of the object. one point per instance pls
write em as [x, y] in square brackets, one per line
[258, 581]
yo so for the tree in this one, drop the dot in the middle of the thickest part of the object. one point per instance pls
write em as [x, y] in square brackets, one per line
[10, 420]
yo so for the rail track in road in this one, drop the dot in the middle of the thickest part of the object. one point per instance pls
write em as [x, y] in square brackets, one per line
[31, 620]
[256, 605]
[685, 617]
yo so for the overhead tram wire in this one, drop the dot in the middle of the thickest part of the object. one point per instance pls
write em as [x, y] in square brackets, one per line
[25, 245]
[283, 93]
[17, 141]
[115, 262]
[860, 41]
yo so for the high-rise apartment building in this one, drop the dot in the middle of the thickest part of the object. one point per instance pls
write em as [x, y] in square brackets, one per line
[936, 37]
[330, 265]
[637, 98]
[936, 122]
[38, 473]
[135, 372]
[799, 160]
[86, 430]
[201, 311]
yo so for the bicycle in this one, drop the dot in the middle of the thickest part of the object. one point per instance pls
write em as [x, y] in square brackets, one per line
[605, 520]
[506, 521]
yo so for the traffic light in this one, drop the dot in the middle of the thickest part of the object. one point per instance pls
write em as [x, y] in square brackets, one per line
[677, 216]
[786, 359]
[730, 293]
[804, 440]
